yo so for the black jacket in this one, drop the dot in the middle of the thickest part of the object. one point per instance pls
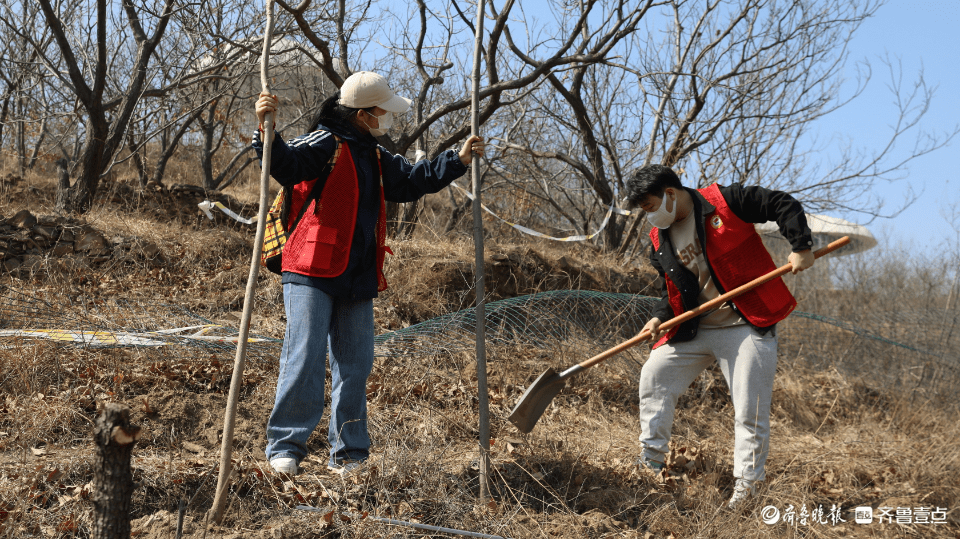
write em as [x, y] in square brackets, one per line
[752, 205]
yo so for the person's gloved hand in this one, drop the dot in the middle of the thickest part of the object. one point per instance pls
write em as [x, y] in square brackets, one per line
[801, 260]
[653, 326]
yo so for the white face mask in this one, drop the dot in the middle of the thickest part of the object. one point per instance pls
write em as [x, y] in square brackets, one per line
[385, 121]
[663, 218]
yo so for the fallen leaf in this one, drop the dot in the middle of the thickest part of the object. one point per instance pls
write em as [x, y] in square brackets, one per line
[38, 451]
[54, 475]
[68, 525]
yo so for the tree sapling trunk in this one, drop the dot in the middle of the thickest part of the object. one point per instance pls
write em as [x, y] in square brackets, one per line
[113, 479]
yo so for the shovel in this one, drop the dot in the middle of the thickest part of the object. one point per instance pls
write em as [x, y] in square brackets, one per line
[539, 395]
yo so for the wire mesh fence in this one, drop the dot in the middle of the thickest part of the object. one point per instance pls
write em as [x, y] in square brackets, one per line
[896, 349]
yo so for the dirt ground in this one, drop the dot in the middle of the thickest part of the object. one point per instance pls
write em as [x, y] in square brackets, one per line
[839, 442]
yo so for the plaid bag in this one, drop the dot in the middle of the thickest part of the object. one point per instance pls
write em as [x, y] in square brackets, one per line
[276, 234]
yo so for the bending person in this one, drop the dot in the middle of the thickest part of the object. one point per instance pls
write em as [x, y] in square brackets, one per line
[704, 243]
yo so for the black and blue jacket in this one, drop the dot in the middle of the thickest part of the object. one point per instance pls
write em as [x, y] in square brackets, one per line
[304, 157]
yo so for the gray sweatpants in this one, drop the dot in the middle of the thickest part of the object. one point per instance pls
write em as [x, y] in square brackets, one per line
[748, 362]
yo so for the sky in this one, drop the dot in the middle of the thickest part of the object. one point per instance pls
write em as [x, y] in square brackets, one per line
[923, 35]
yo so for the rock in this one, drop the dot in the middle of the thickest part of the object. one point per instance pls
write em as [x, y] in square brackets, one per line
[90, 240]
[24, 219]
[67, 235]
[12, 264]
[51, 221]
[32, 262]
[62, 249]
[47, 232]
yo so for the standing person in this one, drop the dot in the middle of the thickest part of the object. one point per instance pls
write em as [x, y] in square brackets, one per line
[704, 243]
[333, 261]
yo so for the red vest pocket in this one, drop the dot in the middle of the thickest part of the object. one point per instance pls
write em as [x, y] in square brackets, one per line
[319, 249]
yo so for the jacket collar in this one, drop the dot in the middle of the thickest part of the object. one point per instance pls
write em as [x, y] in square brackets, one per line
[700, 202]
[349, 133]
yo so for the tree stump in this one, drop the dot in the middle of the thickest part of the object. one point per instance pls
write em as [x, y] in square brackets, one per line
[113, 479]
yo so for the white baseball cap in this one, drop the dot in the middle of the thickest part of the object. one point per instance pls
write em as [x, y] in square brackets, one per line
[366, 89]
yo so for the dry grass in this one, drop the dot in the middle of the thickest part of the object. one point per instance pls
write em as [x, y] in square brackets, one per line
[840, 436]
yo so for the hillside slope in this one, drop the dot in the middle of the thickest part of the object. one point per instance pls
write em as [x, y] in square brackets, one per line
[839, 441]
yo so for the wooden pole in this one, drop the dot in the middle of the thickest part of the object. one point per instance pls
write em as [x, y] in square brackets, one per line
[229, 420]
[478, 251]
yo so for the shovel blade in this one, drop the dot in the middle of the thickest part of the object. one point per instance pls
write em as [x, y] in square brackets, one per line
[535, 400]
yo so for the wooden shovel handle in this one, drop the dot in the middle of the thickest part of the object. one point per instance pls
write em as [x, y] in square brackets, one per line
[708, 306]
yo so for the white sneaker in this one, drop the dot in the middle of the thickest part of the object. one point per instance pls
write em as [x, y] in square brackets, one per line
[743, 490]
[347, 467]
[285, 465]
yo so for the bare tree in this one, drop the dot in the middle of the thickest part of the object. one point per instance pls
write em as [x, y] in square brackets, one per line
[104, 135]
[724, 91]
[20, 77]
[575, 98]
[440, 118]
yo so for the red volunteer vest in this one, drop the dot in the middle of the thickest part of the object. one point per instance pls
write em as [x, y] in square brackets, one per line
[320, 244]
[736, 253]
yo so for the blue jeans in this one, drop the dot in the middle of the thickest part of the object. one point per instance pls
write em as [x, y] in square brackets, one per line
[313, 319]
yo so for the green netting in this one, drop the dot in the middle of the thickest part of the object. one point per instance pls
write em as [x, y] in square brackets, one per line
[863, 333]
[541, 319]
[594, 321]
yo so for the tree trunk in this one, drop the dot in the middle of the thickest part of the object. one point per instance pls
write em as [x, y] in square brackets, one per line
[222, 180]
[81, 193]
[112, 479]
[171, 147]
[21, 140]
[4, 110]
[63, 182]
[393, 211]
[408, 223]
[459, 210]
[631, 231]
[208, 127]
[137, 158]
[613, 234]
